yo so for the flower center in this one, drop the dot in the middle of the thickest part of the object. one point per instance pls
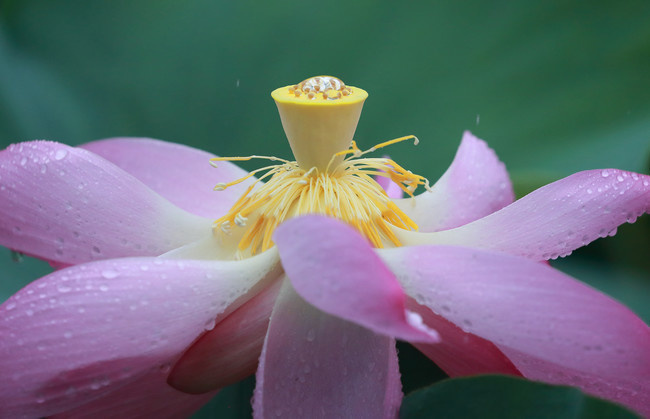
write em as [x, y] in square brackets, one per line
[325, 180]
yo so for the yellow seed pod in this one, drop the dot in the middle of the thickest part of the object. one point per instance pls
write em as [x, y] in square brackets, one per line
[319, 117]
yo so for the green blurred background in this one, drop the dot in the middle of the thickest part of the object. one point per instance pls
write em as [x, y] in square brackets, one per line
[554, 87]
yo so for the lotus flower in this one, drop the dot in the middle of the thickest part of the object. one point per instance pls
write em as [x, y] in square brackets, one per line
[314, 273]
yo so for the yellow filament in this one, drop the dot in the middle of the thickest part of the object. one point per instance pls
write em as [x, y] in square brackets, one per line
[348, 193]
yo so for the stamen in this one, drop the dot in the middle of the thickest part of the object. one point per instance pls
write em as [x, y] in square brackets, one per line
[348, 192]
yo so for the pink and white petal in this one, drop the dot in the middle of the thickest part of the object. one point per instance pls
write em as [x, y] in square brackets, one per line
[211, 363]
[179, 173]
[314, 365]
[148, 396]
[475, 185]
[334, 268]
[82, 332]
[555, 219]
[69, 206]
[460, 353]
[533, 309]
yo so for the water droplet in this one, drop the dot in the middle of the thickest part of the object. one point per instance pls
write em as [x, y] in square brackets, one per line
[311, 335]
[60, 154]
[23, 161]
[63, 288]
[620, 178]
[109, 274]
[10, 306]
[67, 335]
[604, 173]
[209, 325]
[103, 287]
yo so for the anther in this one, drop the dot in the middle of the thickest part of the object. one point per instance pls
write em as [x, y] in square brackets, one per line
[225, 226]
[240, 220]
[220, 186]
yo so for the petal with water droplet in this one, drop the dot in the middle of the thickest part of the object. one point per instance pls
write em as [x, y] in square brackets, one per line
[181, 174]
[334, 268]
[108, 343]
[537, 225]
[345, 371]
[536, 313]
[475, 185]
[49, 217]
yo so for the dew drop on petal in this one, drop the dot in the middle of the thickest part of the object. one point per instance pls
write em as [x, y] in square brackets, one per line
[60, 154]
[63, 288]
[311, 335]
[605, 173]
[109, 274]
[209, 325]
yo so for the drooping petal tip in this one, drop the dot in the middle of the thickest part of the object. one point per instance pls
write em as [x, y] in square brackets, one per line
[334, 268]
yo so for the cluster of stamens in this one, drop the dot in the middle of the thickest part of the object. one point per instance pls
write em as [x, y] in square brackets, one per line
[322, 87]
[347, 192]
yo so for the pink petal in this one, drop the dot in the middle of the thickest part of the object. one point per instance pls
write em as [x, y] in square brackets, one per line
[148, 396]
[179, 173]
[475, 185]
[555, 219]
[82, 332]
[533, 309]
[461, 353]
[212, 362]
[315, 365]
[70, 206]
[334, 268]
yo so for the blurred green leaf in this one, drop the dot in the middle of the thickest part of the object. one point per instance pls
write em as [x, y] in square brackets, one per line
[503, 397]
[416, 370]
[233, 402]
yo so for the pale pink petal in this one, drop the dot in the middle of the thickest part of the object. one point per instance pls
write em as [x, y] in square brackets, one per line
[229, 352]
[475, 185]
[334, 268]
[314, 365]
[70, 206]
[180, 173]
[82, 332]
[531, 308]
[148, 396]
[555, 219]
[460, 353]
